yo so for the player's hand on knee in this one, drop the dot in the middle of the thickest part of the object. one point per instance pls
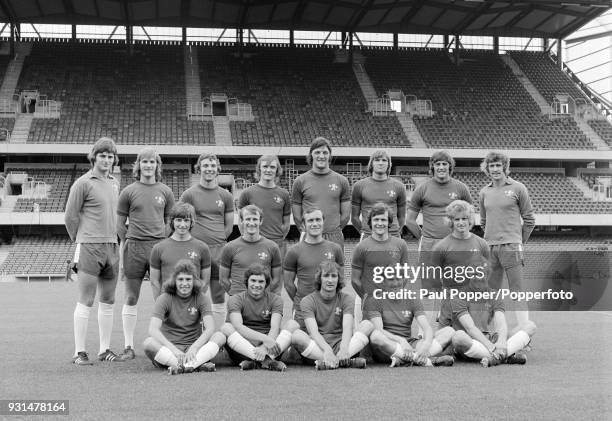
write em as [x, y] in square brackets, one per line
[260, 353]
[271, 346]
[405, 345]
[330, 358]
[500, 353]
[189, 356]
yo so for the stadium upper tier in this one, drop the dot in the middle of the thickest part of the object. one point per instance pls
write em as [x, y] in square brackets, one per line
[296, 95]
[478, 104]
[104, 92]
[603, 129]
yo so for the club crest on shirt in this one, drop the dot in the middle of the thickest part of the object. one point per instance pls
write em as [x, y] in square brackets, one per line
[406, 313]
[278, 199]
[262, 255]
[219, 203]
[328, 255]
[160, 200]
[453, 195]
[394, 253]
[266, 313]
[391, 193]
[338, 311]
[192, 310]
[192, 255]
[510, 194]
[333, 187]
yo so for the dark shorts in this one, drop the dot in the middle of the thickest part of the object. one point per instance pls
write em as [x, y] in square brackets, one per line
[336, 237]
[99, 259]
[508, 259]
[426, 246]
[136, 257]
[335, 345]
[282, 246]
[380, 357]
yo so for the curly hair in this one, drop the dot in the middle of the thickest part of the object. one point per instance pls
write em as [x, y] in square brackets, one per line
[455, 208]
[185, 266]
[204, 156]
[256, 269]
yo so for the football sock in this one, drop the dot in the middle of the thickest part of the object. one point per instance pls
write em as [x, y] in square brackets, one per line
[204, 354]
[129, 315]
[435, 348]
[165, 357]
[399, 351]
[477, 351]
[219, 314]
[237, 342]
[283, 340]
[522, 317]
[517, 342]
[81, 319]
[357, 343]
[105, 325]
[312, 351]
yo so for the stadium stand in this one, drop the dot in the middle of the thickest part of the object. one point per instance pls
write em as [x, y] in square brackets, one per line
[103, 91]
[478, 104]
[296, 95]
[603, 128]
[545, 75]
[58, 181]
[36, 256]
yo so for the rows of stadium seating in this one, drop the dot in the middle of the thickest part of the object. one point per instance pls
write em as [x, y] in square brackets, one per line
[7, 123]
[58, 182]
[545, 75]
[36, 255]
[296, 95]
[603, 128]
[478, 104]
[550, 193]
[139, 99]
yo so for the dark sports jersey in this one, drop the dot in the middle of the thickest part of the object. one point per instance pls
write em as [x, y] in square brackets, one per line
[328, 313]
[482, 312]
[324, 191]
[166, 254]
[274, 202]
[256, 314]
[239, 254]
[397, 315]
[431, 199]
[211, 205]
[456, 255]
[368, 191]
[147, 206]
[371, 253]
[304, 259]
[501, 211]
[181, 317]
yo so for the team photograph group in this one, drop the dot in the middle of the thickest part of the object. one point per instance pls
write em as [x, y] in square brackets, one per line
[268, 305]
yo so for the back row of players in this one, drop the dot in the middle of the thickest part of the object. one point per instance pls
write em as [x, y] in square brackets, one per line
[193, 269]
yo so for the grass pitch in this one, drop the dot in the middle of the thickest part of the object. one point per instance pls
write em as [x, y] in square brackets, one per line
[568, 374]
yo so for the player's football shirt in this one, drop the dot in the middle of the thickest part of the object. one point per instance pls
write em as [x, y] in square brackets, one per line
[460, 260]
[91, 209]
[367, 192]
[481, 311]
[211, 205]
[146, 205]
[396, 315]
[371, 253]
[327, 313]
[431, 199]
[181, 317]
[274, 202]
[304, 259]
[324, 191]
[256, 314]
[501, 211]
[166, 254]
[239, 254]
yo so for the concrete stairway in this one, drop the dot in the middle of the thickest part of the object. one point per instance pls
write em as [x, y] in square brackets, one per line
[223, 134]
[21, 130]
[591, 134]
[535, 94]
[367, 89]
[410, 130]
[11, 77]
[193, 93]
[583, 186]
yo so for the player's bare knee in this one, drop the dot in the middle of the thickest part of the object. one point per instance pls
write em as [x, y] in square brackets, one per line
[377, 337]
[218, 338]
[366, 327]
[227, 329]
[300, 339]
[150, 346]
[291, 326]
[461, 341]
[444, 335]
[529, 327]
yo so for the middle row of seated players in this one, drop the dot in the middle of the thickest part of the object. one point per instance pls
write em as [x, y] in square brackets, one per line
[325, 312]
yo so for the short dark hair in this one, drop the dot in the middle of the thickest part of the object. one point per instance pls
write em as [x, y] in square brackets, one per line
[104, 144]
[380, 209]
[204, 156]
[317, 143]
[184, 211]
[256, 269]
[250, 209]
[327, 266]
[183, 266]
[441, 156]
